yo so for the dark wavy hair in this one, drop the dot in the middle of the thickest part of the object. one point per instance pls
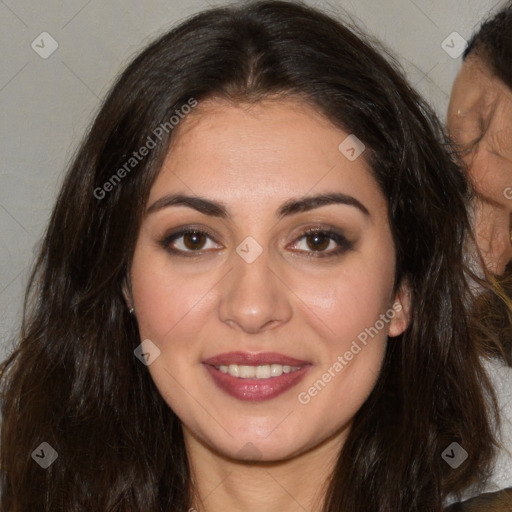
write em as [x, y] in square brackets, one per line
[493, 42]
[73, 380]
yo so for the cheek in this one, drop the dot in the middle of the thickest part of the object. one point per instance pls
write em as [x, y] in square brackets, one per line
[171, 312]
[354, 340]
[357, 323]
[166, 301]
[347, 301]
[491, 176]
[353, 316]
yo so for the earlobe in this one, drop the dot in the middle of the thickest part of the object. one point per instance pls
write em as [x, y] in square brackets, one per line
[402, 310]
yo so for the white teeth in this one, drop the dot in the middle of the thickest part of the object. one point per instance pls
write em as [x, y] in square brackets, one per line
[276, 370]
[265, 371]
[233, 370]
[246, 372]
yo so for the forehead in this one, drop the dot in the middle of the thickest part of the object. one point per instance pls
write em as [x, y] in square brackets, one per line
[273, 147]
[480, 102]
[265, 133]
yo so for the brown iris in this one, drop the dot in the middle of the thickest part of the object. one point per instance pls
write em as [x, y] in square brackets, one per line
[318, 241]
[194, 240]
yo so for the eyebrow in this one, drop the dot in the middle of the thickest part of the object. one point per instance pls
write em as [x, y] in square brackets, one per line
[290, 207]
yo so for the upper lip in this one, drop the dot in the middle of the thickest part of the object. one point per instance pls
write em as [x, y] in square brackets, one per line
[250, 359]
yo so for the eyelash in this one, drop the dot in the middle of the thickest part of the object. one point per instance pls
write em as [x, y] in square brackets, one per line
[343, 244]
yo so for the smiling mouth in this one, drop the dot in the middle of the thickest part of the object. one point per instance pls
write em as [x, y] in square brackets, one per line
[255, 377]
[257, 388]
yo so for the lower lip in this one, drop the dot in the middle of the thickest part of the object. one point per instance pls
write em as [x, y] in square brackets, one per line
[256, 390]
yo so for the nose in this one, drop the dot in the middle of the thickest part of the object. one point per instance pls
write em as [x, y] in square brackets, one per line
[254, 297]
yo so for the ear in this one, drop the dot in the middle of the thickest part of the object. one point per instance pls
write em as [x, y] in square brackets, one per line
[402, 307]
[126, 290]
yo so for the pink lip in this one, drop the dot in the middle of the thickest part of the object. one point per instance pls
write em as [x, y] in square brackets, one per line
[255, 390]
[246, 358]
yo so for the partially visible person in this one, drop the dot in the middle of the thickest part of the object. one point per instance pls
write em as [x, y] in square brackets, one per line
[480, 123]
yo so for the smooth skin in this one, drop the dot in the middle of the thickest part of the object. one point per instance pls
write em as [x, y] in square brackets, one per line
[306, 297]
[480, 120]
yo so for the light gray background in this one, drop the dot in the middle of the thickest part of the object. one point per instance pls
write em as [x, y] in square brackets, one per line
[46, 104]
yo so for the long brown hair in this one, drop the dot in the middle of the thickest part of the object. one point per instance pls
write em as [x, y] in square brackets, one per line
[73, 381]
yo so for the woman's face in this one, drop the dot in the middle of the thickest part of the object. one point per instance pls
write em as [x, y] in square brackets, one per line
[265, 253]
[480, 119]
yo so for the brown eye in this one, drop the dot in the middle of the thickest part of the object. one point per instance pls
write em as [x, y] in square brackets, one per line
[194, 240]
[321, 242]
[189, 242]
[318, 241]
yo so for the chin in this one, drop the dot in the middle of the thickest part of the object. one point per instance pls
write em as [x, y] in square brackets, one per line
[260, 448]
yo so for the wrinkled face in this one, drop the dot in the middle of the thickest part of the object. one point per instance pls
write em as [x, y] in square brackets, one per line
[480, 119]
[263, 277]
